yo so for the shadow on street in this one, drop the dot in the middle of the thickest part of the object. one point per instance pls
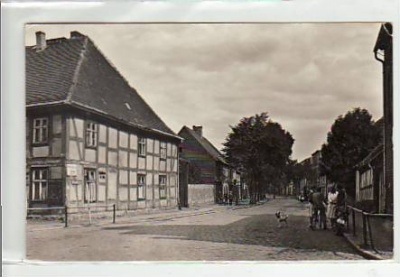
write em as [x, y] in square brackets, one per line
[259, 230]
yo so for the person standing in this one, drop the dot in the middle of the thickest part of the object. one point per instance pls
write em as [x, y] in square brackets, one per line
[318, 201]
[331, 209]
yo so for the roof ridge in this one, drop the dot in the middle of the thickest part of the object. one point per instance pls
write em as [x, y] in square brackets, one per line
[77, 70]
[203, 139]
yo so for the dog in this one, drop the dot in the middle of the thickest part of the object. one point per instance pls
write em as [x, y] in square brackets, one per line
[281, 217]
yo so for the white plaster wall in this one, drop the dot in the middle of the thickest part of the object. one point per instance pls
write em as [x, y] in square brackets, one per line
[101, 193]
[76, 127]
[163, 165]
[112, 184]
[123, 177]
[102, 133]
[133, 193]
[150, 145]
[112, 137]
[123, 158]
[133, 142]
[123, 139]
[123, 193]
[112, 158]
[75, 150]
[102, 154]
[90, 155]
[132, 178]
[156, 147]
[156, 163]
[149, 162]
[132, 160]
[201, 194]
[142, 163]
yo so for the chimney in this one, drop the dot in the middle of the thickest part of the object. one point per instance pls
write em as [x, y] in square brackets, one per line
[198, 130]
[40, 41]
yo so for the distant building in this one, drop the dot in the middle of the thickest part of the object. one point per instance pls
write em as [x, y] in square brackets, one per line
[216, 178]
[91, 140]
[314, 176]
[384, 53]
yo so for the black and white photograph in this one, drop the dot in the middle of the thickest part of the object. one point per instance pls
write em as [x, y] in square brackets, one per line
[209, 141]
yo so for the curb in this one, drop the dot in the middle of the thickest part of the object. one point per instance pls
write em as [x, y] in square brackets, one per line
[366, 254]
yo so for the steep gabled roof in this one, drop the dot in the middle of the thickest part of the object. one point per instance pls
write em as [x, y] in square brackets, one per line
[73, 71]
[205, 144]
[384, 39]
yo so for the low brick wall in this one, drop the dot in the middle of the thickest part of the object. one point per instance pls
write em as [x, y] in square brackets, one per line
[199, 194]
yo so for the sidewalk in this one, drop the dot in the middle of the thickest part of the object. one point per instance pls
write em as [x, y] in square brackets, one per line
[367, 253]
[131, 217]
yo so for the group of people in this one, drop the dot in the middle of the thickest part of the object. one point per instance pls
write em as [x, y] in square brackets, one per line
[326, 208]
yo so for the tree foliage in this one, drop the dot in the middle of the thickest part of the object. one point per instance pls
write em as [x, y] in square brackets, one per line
[261, 149]
[351, 138]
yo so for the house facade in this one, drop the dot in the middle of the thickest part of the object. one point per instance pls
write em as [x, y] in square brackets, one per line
[91, 140]
[383, 50]
[370, 189]
[216, 177]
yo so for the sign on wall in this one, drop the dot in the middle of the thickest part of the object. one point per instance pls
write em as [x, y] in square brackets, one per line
[72, 170]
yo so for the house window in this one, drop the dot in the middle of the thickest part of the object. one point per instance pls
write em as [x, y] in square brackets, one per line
[91, 134]
[141, 195]
[142, 147]
[39, 184]
[40, 130]
[90, 186]
[163, 186]
[163, 150]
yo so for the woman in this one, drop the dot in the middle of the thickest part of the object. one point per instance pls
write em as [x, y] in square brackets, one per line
[331, 210]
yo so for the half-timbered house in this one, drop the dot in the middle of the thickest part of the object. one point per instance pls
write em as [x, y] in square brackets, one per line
[90, 138]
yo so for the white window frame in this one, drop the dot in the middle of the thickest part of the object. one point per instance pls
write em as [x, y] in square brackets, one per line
[40, 129]
[142, 147]
[90, 194]
[163, 186]
[40, 184]
[163, 150]
[91, 134]
[141, 193]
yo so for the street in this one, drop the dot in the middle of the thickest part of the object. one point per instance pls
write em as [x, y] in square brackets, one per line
[240, 233]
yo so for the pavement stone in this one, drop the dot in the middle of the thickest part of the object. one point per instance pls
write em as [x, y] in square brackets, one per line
[214, 233]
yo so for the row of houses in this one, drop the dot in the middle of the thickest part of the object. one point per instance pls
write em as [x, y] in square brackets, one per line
[91, 139]
[374, 174]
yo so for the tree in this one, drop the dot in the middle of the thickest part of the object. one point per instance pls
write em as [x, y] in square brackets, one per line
[261, 149]
[350, 140]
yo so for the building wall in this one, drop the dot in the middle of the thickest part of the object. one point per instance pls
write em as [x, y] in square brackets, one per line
[197, 155]
[116, 158]
[48, 155]
[201, 194]
[114, 161]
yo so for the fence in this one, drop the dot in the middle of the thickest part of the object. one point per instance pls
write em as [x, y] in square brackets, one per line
[65, 214]
[371, 231]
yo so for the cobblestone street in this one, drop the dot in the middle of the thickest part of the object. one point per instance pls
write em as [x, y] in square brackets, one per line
[220, 233]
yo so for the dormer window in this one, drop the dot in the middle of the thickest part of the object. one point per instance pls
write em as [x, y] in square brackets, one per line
[40, 130]
[91, 134]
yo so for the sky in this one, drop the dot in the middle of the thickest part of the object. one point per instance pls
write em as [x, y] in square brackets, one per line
[303, 75]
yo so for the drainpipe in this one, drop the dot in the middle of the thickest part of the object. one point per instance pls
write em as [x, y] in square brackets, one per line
[384, 135]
